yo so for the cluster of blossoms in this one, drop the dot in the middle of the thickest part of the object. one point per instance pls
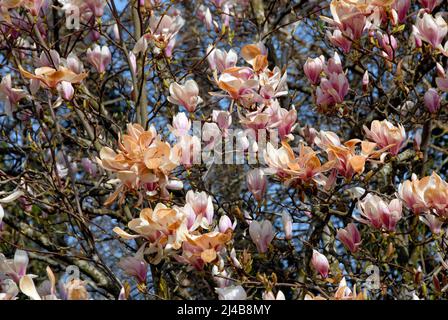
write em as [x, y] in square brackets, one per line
[428, 197]
[162, 34]
[190, 228]
[333, 86]
[256, 89]
[55, 74]
[143, 163]
[15, 279]
[344, 159]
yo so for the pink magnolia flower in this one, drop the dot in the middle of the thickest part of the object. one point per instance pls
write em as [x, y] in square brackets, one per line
[204, 14]
[389, 45]
[432, 100]
[181, 125]
[52, 60]
[9, 95]
[365, 81]
[402, 8]
[320, 263]
[350, 237]
[14, 268]
[385, 134]
[434, 223]
[66, 90]
[74, 64]
[378, 214]
[313, 68]
[186, 95]
[222, 118]
[430, 5]
[412, 194]
[333, 90]
[202, 205]
[340, 40]
[334, 65]
[225, 224]
[99, 57]
[287, 225]
[163, 29]
[257, 184]
[262, 234]
[89, 167]
[239, 84]
[135, 266]
[431, 29]
[221, 60]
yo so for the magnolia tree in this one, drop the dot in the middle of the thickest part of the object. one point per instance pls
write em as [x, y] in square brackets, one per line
[223, 149]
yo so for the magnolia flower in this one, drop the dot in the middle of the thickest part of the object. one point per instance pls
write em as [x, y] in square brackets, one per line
[74, 64]
[412, 193]
[163, 225]
[202, 206]
[262, 234]
[350, 237]
[231, 293]
[386, 135]
[333, 90]
[205, 15]
[365, 81]
[431, 29]
[9, 95]
[51, 59]
[15, 268]
[181, 125]
[204, 248]
[8, 289]
[320, 263]
[225, 224]
[256, 56]
[257, 183]
[434, 192]
[306, 167]
[135, 266]
[89, 167]
[341, 40]
[238, 84]
[389, 45]
[379, 214]
[434, 223]
[432, 100]
[221, 60]
[220, 277]
[269, 295]
[163, 29]
[66, 90]
[402, 8]
[313, 68]
[186, 95]
[99, 57]
[50, 78]
[143, 162]
[222, 118]
[287, 225]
